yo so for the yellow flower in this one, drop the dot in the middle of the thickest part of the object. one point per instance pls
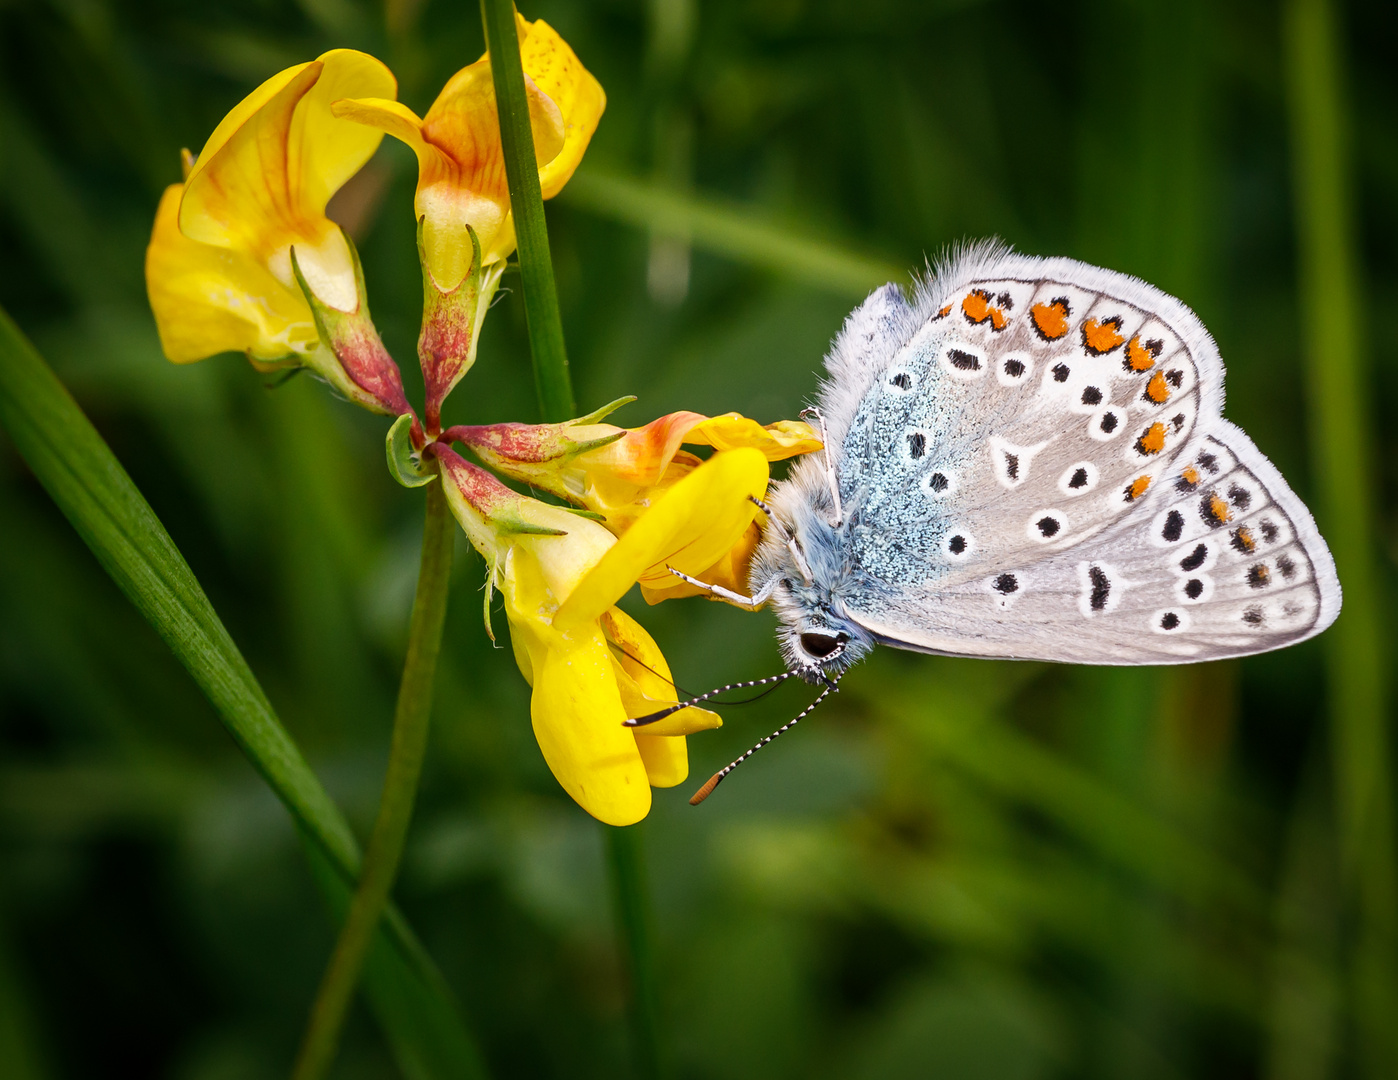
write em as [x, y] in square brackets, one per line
[220, 268]
[620, 473]
[461, 166]
[590, 665]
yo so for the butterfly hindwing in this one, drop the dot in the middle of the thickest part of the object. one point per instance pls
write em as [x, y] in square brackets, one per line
[1032, 467]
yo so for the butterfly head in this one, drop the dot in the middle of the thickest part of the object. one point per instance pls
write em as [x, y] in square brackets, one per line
[801, 567]
[817, 641]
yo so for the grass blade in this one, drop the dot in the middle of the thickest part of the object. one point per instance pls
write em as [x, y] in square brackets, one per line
[731, 231]
[1343, 444]
[94, 492]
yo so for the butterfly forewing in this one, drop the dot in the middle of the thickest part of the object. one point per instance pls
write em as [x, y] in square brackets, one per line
[1042, 470]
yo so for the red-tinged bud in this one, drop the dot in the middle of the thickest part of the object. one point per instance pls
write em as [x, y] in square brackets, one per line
[351, 356]
[451, 325]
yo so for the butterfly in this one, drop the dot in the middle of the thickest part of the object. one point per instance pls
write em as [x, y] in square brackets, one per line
[1027, 459]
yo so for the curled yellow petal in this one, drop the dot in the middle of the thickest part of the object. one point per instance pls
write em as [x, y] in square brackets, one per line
[263, 179]
[577, 716]
[209, 300]
[730, 572]
[778, 441]
[644, 679]
[689, 527]
[666, 759]
[558, 73]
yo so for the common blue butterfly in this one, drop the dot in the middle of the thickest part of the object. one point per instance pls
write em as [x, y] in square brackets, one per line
[1028, 460]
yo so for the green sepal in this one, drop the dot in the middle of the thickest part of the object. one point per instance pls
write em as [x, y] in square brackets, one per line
[404, 463]
[574, 448]
[513, 526]
[589, 514]
[601, 414]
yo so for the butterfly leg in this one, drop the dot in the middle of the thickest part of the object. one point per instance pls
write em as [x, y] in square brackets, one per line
[752, 603]
[788, 538]
[829, 466]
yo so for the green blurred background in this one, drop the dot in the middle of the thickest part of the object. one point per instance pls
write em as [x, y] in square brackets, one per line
[955, 869]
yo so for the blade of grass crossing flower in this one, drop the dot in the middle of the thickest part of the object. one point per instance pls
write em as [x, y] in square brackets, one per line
[1342, 445]
[409, 745]
[551, 377]
[554, 387]
[89, 485]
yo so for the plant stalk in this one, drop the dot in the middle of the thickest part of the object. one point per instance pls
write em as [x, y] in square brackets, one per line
[1332, 289]
[632, 914]
[555, 390]
[551, 378]
[410, 726]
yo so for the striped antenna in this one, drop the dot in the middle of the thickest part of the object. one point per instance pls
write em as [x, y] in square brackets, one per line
[642, 721]
[717, 778]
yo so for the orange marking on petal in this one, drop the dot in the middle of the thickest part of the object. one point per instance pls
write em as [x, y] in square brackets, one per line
[1102, 337]
[1138, 488]
[1141, 355]
[977, 308]
[1158, 390]
[1152, 440]
[1051, 319]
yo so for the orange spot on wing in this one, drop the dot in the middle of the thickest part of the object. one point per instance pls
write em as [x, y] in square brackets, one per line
[943, 313]
[1190, 475]
[1102, 337]
[1217, 508]
[1051, 319]
[1138, 487]
[1243, 540]
[1141, 355]
[977, 308]
[1152, 440]
[1158, 390]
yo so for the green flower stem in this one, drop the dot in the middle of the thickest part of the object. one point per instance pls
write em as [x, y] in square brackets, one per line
[551, 378]
[1343, 446]
[410, 725]
[632, 914]
[555, 389]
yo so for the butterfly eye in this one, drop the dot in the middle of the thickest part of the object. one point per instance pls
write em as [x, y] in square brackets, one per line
[822, 645]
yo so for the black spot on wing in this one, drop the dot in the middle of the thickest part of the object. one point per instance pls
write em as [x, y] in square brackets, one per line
[1195, 558]
[1101, 588]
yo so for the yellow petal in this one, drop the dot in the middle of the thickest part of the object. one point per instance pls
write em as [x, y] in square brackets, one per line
[778, 441]
[644, 679]
[730, 572]
[558, 72]
[389, 116]
[689, 527]
[645, 684]
[461, 167]
[666, 759]
[209, 300]
[577, 715]
[262, 181]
